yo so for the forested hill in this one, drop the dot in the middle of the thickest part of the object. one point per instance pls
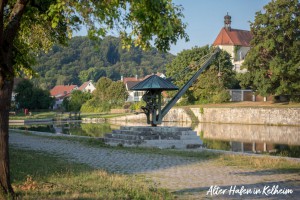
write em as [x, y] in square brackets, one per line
[84, 60]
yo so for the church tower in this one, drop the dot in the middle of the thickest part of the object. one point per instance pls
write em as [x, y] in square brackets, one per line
[227, 22]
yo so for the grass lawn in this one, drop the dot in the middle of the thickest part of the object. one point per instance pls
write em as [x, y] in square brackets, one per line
[37, 175]
[52, 115]
[35, 115]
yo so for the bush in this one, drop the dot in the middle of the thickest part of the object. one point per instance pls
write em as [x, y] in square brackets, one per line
[222, 96]
[137, 105]
[94, 105]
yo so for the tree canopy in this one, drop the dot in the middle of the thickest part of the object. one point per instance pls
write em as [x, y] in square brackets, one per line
[273, 62]
[30, 97]
[84, 59]
[208, 87]
[75, 101]
[108, 94]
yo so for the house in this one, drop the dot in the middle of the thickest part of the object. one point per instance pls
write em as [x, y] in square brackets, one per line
[136, 96]
[87, 87]
[60, 92]
[16, 82]
[133, 96]
[235, 41]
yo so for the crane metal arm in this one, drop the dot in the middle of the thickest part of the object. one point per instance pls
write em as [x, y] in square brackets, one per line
[181, 92]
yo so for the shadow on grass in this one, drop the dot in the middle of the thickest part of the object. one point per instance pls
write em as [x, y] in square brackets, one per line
[38, 175]
[25, 163]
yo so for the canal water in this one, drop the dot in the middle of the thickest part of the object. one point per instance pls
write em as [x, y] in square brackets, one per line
[262, 139]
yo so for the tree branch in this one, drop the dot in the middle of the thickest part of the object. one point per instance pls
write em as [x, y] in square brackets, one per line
[13, 25]
[2, 5]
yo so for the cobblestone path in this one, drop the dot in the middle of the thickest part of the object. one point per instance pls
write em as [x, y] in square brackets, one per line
[188, 178]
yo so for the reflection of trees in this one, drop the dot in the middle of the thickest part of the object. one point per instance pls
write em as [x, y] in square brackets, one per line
[287, 150]
[96, 130]
[40, 128]
[215, 144]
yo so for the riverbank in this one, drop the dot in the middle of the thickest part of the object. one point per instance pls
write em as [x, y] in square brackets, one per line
[231, 113]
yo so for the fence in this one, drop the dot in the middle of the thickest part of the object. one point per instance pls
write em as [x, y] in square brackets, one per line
[247, 95]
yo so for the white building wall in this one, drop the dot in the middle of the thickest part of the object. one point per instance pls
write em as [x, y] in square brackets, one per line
[238, 59]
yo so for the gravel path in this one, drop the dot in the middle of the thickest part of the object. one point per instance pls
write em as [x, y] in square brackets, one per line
[188, 178]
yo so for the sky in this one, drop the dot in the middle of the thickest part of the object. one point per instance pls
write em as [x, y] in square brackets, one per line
[205, 18]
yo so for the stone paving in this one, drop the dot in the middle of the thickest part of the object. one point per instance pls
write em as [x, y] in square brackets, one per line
[188, 178]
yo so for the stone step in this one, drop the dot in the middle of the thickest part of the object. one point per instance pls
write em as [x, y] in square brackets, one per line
[117, 141]
[161, 137]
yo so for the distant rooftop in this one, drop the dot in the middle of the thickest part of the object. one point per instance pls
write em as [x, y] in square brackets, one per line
[62, 90]
[233, 37]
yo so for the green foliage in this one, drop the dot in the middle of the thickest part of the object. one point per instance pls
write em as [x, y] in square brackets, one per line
[108, 94]
[94, 105]
[96, 130]
[102, 93]
[273, 62]
[209, 88]
[117, 94]
[76, 100]
[30, 97]
[215, 144]
[287, 150]
[83, 60]
[137, 105]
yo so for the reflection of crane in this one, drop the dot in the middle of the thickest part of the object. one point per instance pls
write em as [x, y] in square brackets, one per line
[154, 85]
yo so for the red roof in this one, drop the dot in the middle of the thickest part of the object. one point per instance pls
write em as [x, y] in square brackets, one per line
[62, 90]
[84, 85]
[126, 79]
[233, 37]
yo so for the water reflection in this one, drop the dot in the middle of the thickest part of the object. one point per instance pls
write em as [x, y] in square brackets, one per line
[72, 128]
[275, 140]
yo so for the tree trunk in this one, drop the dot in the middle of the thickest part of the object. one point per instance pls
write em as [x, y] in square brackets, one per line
[5, 101]
[8, 34]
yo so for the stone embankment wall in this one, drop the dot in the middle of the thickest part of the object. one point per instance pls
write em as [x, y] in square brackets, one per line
[270, 116]
[174, 115]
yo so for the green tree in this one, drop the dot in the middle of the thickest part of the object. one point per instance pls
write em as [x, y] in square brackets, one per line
[28, 96]
[76, 100]
[102, 93]
[28, 26]
[209, 87]
[91, 74]
[84, 59]
[273, 61]
[117, 93]
[24, 93]
[41, 99]
[108, 94]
